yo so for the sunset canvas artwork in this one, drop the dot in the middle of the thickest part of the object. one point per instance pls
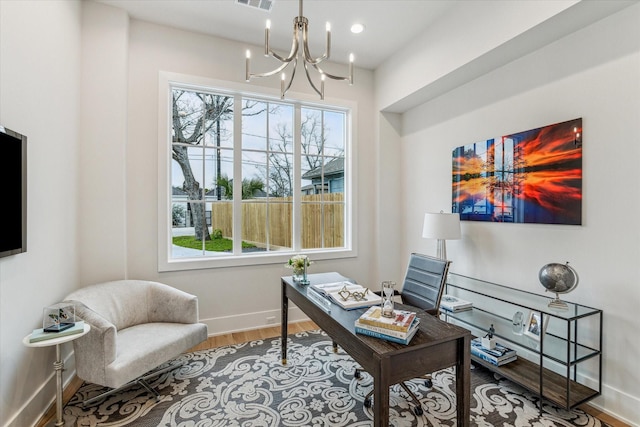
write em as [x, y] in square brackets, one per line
[533, 176]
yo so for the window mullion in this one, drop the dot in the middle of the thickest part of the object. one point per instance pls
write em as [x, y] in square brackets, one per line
[237, 175]
[297, 180]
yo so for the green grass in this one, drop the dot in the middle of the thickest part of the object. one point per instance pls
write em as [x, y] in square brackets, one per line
[216, 245]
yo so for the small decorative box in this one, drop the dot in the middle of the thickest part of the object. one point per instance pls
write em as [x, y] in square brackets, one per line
[58, 317]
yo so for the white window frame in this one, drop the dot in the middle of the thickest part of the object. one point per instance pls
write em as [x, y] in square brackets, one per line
[166, 82]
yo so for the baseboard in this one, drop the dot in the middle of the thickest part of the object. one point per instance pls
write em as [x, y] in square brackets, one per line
[43, 397]
[250, 321]
[614, 403]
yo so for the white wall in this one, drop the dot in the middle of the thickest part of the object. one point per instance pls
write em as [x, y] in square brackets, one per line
[230, 298]
[594, 74]
[103, 136]
[39, 74]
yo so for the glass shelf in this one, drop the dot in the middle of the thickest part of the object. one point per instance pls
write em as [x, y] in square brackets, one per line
[524, 299]
[553, 365]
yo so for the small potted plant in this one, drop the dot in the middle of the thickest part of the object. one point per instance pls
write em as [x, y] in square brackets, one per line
[299, 264]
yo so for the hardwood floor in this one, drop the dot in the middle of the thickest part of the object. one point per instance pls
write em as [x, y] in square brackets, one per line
[266, 333]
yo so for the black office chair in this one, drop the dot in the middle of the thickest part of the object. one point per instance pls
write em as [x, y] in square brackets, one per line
[423, 286]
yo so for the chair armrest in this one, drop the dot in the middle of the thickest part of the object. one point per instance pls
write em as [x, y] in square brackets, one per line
[168, 304]
[97, 349]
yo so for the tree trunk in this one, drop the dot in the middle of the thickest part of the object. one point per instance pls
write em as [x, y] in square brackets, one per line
[194, 192]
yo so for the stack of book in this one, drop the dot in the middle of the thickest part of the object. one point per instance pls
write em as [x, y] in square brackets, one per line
[454, 304]
[497, 356]
[400, 328]
[41, 335]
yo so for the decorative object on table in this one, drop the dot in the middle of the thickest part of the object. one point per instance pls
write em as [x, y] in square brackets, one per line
[299, 264]
[41, 335]
[536, 325]
[517, 322]
[58, 317]
[558, 278]
[352, 296]
[489, 177]
[488, 341]
[300, 42]
[441, 226]
[388, 288]
[498, 356]
[454, 304]
[326, 288]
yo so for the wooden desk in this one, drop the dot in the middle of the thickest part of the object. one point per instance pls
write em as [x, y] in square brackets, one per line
[437, 345]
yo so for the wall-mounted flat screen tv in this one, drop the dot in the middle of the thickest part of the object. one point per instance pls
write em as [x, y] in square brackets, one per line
[13, 176]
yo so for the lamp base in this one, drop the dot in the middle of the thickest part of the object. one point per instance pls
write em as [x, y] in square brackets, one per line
[442, 249]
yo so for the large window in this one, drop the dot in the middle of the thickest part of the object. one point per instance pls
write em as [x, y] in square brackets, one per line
[253, 180]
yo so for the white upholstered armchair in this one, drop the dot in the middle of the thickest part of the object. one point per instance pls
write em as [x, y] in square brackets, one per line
[136, 326]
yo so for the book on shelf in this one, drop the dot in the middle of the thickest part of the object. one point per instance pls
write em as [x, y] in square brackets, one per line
[454, 304]
[351, 298]
[494, 362]
[496, 356]
[401, 321]
[361, 329]
[40, 335]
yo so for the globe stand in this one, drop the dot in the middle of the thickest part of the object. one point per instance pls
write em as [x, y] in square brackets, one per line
[558, 304]
[559, 279]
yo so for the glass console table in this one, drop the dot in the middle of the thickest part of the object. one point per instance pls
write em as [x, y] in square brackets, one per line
[563, 364]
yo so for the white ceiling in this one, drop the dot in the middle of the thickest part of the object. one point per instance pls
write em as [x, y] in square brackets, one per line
[389, 23]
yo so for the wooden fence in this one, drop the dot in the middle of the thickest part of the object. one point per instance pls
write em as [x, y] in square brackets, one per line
[255, 212]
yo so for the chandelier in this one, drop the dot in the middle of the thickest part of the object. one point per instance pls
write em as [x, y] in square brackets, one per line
[300, 38]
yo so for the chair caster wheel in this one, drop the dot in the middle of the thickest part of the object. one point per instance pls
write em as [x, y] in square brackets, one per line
[428, 383]
[417, 410]
[357, 374]
[367, 403]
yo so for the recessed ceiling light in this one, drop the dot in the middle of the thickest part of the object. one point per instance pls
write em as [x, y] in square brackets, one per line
[357, 28]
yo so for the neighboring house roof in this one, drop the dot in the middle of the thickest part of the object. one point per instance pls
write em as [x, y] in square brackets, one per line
[333, 167]
[177, 191]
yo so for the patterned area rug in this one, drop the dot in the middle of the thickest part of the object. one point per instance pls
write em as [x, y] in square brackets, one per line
[246, 385]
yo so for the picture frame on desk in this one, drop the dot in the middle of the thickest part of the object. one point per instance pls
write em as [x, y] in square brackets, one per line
[536, 325]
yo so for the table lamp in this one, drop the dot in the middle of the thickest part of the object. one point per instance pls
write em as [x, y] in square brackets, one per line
[441, 226]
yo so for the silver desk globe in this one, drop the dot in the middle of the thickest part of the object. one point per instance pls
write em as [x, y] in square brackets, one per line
[558, 278]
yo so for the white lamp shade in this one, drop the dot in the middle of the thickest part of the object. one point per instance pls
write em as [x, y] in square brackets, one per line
[445, 226]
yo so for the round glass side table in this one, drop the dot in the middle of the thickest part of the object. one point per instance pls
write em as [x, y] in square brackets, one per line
[58, 365]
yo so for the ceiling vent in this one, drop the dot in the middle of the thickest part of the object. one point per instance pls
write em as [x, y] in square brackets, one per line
[265, 5]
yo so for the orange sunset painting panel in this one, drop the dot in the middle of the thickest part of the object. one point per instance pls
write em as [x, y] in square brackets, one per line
[533, 176]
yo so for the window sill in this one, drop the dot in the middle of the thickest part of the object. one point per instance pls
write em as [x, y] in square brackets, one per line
[248, 259]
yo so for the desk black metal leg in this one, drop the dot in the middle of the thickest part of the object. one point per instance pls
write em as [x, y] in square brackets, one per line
[284, 323]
